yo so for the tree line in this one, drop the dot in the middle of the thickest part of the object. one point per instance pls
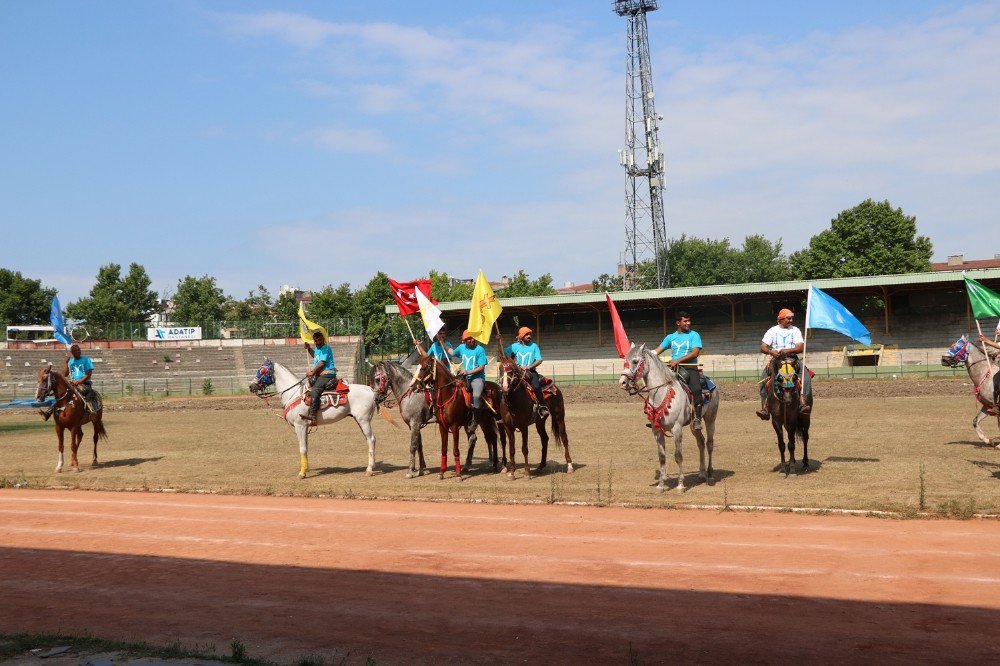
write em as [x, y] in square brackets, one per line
[873, 238]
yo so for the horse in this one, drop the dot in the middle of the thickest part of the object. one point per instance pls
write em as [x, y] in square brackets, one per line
[70, 414]
[784, 398]
[963, 351]
[521, 413]
[668, 415]
[360, 405]
[453, 414]
[416, 406]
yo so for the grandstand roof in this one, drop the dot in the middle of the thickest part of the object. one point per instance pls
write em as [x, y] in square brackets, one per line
[738, 292]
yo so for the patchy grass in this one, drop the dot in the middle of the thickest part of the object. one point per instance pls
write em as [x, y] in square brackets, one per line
[896, 454]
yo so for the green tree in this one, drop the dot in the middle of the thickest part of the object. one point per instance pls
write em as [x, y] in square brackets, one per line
[607, 282]
[114, 298]
[198, 300]
[443, 290]
[286, 308]
[255, 307]
[873, 238]
[23, 300]
[760, 260]
[370, 302]
[522, 285]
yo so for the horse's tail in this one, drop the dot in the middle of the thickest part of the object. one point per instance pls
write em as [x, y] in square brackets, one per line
[99, 430]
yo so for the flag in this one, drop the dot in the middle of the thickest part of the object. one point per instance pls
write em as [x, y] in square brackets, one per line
[985, 303]
[429, 313]
[824, 311]
[58, 323]
[306, 327]
[485, 310]
[405, 295]
[621, 340]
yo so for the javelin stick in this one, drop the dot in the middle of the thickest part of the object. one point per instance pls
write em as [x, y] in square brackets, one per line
[805, 336]
[989, 363]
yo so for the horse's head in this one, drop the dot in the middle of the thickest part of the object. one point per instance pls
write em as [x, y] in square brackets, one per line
[427, 372]
[510, 374]
[786, 379]
[636, 368]
[264, 378]
[379, 381]
[957, 354]
[46, 383]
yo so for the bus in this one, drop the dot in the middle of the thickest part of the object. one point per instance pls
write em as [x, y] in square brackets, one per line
[30, 333]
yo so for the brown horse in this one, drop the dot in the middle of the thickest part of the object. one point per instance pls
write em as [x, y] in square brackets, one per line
[521, 414]
[783, 400]
[453, 413]
[70, 414]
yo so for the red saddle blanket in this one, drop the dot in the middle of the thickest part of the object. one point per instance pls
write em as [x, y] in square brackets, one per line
[549, 388]
[334, 398]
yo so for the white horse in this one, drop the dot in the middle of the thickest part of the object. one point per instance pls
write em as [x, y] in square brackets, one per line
[669, 410]
[360, 404]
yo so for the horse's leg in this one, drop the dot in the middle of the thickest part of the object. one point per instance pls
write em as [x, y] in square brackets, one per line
[804, 431]
[511, 443]
[443, 429]
[302, 434]
[76, 436]
[661, 452]
[59, 433]
[366, 429]
[414, 447]
[97, 427]
[455, 450]
[791, 427]
[678, 431]
[524, 451]
[473, 439]
[776, 424]
[544, 436]
[710, 442]
[699, 438]
[979, 431]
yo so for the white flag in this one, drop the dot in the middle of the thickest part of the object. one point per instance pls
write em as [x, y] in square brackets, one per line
[429, 313]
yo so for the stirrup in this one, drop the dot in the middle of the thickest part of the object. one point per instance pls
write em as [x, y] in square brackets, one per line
[805, 409]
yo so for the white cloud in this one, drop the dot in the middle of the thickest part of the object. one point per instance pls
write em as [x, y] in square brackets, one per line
[347, 140]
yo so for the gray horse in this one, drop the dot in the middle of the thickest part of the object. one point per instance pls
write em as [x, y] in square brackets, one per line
[964, 351]
[669, 410]
[416, 406]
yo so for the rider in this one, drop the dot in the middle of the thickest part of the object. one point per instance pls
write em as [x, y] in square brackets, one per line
[473, 358]
[323, 373]
[996, 373]
[527, 355]
[685, 348]
[783, 340]
[79, 369]
[438, 347]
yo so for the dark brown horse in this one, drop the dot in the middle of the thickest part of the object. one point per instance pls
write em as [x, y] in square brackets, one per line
[521, 414]
[453, 413]
[783, 401]
[70, 414]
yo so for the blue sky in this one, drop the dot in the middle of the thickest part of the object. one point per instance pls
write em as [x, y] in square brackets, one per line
[314, 143]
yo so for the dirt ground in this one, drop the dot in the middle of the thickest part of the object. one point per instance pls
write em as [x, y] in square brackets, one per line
[411, 582]
[903, 454]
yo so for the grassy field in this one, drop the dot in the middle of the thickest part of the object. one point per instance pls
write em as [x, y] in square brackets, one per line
[901, 454]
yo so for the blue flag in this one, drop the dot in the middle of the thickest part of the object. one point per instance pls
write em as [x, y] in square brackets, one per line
[824, 311]
[56, 319]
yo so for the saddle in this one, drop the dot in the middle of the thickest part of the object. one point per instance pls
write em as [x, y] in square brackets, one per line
[707, 385]
[488, 392]
[548, 386]
[334, 398]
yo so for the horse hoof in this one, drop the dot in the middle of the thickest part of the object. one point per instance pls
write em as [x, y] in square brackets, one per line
[569, 468]
[792, 475]
[440, 477]
[682, 489]
[542, 465]
[302, 475]
[782, 475]
[510, 475]
[710, 480]
[410, 475]
[460, 479]
[660, 489]
[369, 472]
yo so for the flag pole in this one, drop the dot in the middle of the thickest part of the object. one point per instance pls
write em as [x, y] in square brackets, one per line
[805, 336]
[989, 363]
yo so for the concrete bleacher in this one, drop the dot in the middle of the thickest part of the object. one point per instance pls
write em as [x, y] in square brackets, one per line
[177, 369]
[913, 339]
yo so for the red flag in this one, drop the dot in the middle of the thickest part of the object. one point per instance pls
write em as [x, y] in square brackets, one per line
[406, 297]
[621, 340]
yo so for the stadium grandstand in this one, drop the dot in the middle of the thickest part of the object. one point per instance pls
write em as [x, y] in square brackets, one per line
[171, 367]
[912, 319]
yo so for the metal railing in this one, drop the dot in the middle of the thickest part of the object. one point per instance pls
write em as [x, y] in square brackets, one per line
[211, 330]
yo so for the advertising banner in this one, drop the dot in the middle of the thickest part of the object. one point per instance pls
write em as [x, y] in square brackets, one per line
[174, 333]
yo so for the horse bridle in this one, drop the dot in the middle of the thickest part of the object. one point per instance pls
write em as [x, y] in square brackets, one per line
[43, 390]
[516, 377]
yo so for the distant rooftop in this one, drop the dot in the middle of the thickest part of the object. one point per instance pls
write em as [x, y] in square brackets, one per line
[957, 262]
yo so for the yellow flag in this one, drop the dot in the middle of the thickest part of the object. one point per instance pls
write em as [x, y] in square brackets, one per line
[485, 310]
[306, 327]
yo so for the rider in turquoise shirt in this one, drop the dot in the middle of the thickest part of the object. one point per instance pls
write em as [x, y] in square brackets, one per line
[528, 355]
[323, 373]
[473, 358]
[685, 348]
[438, 347]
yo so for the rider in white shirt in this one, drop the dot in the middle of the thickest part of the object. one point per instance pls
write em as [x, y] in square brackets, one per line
[784, 340]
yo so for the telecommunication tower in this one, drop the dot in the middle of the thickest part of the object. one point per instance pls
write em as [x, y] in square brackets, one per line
[642, 158]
